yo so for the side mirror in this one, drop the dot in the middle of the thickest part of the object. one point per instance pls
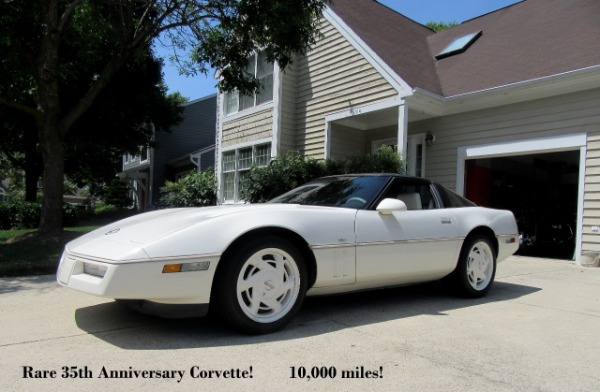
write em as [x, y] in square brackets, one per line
[387, 206]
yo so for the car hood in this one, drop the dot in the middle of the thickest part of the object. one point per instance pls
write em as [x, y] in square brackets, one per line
[133, 238]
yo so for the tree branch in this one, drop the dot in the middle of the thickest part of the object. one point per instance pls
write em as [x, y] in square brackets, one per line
[21, 107]
[66, 16]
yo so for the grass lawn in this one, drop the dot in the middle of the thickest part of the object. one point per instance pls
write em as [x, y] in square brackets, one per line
[31, 257]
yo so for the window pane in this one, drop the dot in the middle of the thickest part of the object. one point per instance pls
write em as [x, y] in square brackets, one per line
[264, 74]
[265, 91]
[242, 176]
[246, 102]
[231, 100]
[265, 68]
[251, 67]
[228, 186]
[262, 155]
[245, 158]
[419, 161]
[229, 161]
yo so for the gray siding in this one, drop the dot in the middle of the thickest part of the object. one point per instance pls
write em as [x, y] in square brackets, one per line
[196, 131]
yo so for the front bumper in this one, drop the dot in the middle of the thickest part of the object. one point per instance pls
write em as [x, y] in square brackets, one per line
[139, 280]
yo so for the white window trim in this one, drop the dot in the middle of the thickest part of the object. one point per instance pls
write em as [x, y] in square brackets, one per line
[573, 142]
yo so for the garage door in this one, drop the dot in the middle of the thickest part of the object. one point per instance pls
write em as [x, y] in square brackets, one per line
[540, 189]
[540, 180]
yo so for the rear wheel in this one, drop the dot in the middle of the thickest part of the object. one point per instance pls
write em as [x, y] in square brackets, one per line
[474, 274]
[261, 286]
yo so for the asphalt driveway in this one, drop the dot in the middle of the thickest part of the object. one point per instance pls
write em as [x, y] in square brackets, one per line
[536, 331]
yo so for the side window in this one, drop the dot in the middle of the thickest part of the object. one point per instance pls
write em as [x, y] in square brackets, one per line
[451, 199]
[416, 195]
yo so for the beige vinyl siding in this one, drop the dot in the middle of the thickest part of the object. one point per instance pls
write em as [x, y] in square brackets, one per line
[591, 202]
[562, 115]
[248, 128]
[347, 142]
[333, 76]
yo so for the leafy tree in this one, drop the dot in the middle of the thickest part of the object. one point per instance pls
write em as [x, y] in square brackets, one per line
[117, 123]
[440, 26]
[59, 56]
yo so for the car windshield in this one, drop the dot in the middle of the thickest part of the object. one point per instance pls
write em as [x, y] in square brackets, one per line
[347, 192]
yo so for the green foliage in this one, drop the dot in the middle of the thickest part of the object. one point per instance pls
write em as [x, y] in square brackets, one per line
[105, 209]
[292, 169]
[26, 215]
[98, 86]
[196, 189]
[440, 26]
[117, 194]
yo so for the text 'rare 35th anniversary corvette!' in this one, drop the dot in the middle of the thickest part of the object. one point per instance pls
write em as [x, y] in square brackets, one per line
[255, 263]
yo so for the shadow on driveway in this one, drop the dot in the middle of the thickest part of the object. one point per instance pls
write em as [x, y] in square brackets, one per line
[127, 329]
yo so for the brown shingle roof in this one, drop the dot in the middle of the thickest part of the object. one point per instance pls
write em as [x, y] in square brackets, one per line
[528, 40]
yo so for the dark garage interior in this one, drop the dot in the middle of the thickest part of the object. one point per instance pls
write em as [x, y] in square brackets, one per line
[540, 189]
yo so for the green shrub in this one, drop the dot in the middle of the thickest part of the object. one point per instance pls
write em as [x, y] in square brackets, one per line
[194, 190]
[104, 209]
[26, 215]
[292, 169]
[284, 173]
[117, 194]
[5, 216]
[19, 214]
[109, 212]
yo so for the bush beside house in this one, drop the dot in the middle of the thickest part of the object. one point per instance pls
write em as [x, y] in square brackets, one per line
[292, 169]
[196, 189]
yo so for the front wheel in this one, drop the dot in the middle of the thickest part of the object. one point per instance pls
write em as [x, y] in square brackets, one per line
[474, 274]
[262, 286]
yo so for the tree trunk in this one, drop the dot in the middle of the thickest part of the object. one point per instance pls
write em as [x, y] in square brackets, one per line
[32, 175]
[32, 164]
[54, 168]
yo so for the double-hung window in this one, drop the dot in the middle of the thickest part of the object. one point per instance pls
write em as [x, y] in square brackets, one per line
[236, 165]
[261, 69]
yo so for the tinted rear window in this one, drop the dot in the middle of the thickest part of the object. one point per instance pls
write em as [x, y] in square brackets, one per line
[451, 199]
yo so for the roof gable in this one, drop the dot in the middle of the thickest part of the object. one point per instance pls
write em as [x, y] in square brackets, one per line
[397, 40]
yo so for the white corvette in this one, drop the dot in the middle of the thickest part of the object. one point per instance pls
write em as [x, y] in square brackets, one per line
[255, 263]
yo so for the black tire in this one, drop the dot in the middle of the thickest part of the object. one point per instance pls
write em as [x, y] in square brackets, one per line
[476, 269]
[260, 286]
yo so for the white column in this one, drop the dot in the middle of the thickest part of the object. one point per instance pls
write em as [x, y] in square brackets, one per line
[402, 130]
[277, 103]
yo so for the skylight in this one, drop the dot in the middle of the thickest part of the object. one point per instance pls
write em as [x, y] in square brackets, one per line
[459, 45]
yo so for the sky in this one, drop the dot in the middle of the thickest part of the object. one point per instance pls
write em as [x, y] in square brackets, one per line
[421, 11]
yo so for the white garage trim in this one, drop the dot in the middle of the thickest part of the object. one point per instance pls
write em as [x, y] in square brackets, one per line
[571, 142]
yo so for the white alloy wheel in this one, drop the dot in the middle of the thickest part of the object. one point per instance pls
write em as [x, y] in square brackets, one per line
[480, 265]
[261, 285]
[476, 268]
[268, 285]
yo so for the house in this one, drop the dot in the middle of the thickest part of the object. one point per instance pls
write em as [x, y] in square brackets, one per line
[503, 108]
[186, 147]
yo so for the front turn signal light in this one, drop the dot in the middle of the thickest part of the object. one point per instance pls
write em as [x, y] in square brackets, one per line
[186, 267]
